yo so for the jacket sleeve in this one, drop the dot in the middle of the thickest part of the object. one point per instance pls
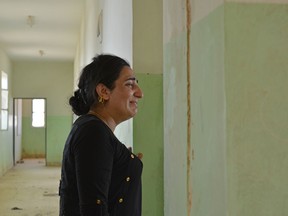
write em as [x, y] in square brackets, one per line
[93, 154]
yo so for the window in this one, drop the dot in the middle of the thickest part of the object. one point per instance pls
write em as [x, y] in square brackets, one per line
[38, 113]
[4, 101]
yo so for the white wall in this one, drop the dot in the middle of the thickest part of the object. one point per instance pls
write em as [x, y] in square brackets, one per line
[18, 129]
[117, 28]
[116, 38]
[52, 80]
[6, 136]
[91, 42]
[88, 44]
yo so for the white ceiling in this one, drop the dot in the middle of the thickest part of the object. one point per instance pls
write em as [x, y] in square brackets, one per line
[55, 31]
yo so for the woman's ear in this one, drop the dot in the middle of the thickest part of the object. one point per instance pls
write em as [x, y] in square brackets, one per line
[102, 91]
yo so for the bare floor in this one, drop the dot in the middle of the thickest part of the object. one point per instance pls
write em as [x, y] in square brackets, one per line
[30, 189]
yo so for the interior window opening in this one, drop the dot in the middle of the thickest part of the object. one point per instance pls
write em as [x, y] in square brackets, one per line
[38, 113]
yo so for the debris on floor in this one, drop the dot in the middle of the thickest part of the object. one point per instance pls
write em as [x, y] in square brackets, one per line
[30, 189]
[50, 194]
[16, 208]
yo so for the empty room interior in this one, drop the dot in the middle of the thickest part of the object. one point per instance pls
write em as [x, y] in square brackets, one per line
[212, 125]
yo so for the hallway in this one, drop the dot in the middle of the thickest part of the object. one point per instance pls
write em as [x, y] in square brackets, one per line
[30, 189]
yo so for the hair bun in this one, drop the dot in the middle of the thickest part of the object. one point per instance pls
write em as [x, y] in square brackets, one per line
[79, 106]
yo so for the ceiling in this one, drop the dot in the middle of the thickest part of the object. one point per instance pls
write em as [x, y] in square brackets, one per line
[52, 33]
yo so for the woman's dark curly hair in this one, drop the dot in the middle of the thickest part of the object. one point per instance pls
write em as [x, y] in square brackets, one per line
[103, 69]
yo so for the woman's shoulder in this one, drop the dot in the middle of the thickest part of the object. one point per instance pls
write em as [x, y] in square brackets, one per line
[91, 126]
[89, 120]
[90, 129]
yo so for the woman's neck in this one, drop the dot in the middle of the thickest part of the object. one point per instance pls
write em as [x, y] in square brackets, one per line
[106, 119]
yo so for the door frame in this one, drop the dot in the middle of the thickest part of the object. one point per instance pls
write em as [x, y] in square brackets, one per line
[14, 125]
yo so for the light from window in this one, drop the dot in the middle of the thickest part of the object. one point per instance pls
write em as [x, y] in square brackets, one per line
[4, 101]
[4, 81]
[4, 117]
[38, 112]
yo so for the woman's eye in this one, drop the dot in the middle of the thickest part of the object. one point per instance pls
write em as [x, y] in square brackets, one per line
[130, 84]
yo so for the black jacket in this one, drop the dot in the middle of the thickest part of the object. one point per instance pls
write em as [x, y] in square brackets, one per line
[99, 176]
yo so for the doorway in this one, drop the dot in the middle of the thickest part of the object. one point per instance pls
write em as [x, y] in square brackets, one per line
[29, 129]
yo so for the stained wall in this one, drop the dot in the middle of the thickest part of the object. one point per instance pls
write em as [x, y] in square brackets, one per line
[194, 108]
[225, 76]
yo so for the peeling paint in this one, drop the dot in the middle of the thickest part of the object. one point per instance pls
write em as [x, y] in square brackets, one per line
[189, 184]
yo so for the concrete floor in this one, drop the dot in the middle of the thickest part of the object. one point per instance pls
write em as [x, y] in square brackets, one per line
[30, 189]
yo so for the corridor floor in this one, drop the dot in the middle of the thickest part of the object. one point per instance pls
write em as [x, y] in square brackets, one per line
[30, 189]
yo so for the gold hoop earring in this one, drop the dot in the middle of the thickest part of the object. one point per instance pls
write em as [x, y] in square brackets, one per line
[101, 100]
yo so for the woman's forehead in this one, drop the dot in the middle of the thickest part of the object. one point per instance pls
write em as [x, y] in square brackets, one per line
[126, 73]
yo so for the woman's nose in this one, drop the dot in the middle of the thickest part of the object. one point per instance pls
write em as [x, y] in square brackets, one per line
[139, 93]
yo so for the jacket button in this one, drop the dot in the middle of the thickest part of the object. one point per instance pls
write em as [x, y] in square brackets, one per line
[98, 202]
[128, 179]
[121, 200]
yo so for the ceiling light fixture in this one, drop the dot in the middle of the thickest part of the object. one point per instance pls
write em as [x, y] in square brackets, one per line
[30, 20]
[41, 52]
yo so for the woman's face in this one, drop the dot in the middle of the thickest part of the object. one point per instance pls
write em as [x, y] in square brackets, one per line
[123, 99]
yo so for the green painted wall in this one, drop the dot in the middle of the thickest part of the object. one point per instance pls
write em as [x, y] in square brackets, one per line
[207, 180]
[238, 79]
[33, 140]
[203, 181]
[256, 71]
[58, 128]
[208, 117]
[175, 127]
[148, 139]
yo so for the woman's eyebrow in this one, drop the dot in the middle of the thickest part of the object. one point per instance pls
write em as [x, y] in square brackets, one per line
[132, 78]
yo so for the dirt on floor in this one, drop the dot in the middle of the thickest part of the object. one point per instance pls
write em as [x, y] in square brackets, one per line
[30, 189]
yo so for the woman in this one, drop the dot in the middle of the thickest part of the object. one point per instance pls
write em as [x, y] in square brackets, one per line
[100, 176]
